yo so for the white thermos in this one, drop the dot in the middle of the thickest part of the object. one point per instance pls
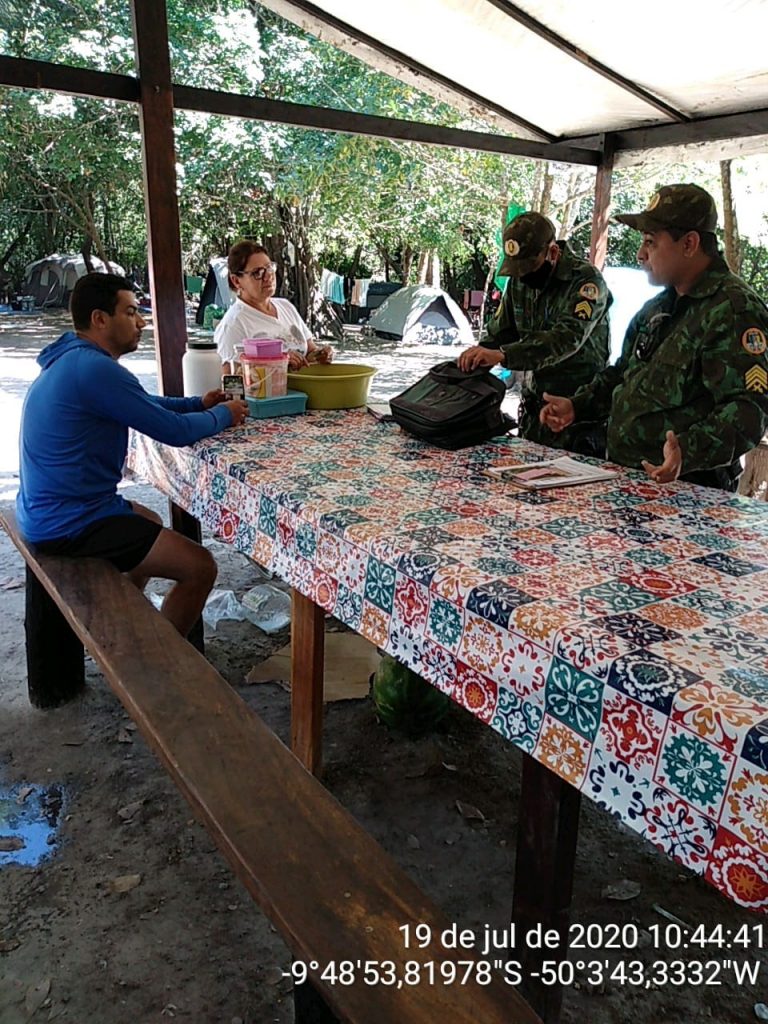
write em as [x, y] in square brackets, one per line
[201, 368]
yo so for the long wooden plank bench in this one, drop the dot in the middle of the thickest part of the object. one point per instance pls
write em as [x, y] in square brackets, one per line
[328, 887]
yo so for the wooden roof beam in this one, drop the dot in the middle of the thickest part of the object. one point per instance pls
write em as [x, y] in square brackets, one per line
[32, 74]
[702, 130]
[328, 119]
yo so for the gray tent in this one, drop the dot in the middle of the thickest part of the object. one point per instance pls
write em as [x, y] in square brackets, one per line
[216, 290]
[421, 313]
[50, 280]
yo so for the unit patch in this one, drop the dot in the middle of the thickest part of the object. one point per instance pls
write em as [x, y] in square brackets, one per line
[753, 340]
[653, 202]
[511, 247]
[756, 379]
[583, 310]
[589, 291]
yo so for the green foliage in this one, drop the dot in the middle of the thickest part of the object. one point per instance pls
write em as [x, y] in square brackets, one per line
[405, 701]
[70, 168]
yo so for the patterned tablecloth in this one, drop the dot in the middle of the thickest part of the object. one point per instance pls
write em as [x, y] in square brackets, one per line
[617, 632]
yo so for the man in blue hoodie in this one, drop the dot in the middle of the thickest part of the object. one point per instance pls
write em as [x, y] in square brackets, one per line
[74, 439]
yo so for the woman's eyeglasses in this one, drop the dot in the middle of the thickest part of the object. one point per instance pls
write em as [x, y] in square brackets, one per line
[259, 274]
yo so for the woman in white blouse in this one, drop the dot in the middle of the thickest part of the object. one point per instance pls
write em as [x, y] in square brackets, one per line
[255, 312]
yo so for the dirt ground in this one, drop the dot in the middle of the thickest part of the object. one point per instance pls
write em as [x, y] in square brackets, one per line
[187, 942]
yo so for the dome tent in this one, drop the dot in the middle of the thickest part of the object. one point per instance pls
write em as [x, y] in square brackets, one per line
[50, 280]
[216, 290]
[410, 310]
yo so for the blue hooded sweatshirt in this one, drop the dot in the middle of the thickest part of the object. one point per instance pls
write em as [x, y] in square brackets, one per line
[74, 436]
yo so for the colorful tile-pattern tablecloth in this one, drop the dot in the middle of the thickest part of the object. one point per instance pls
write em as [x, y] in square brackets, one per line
[617, 632]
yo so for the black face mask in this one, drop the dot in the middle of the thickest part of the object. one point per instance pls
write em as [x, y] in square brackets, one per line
[538, 278]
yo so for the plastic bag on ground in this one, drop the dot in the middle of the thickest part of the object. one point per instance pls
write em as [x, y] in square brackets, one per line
[267, 607]
[222, 604]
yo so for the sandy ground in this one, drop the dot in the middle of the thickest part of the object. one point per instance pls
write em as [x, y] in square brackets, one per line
[187, 942]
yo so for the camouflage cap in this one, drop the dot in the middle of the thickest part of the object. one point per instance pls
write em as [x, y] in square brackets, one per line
[525, 239]
[687, 207]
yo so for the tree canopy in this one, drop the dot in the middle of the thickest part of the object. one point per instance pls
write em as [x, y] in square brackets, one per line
[70, 167]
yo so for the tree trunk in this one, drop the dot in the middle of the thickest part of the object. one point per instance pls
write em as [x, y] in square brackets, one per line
[541, 191]
[730, 227]
[421, 269]
[85, 252]
[433, 273]
[545, 200]
[356, 261]
[408, 255]
[486, 288]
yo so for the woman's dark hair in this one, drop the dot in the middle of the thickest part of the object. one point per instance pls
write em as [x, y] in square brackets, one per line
[239, 255]
[96, 291]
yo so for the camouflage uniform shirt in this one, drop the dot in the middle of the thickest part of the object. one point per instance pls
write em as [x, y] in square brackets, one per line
[558, 334]
[695, 364]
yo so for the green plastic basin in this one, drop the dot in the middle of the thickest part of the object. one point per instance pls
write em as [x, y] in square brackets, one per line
[337, 386]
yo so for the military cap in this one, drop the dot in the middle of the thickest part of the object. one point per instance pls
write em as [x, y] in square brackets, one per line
[686, 207]
[525, 240]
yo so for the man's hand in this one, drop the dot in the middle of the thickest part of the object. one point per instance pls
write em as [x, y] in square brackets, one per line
[238, 410]
[323, 354]
[211, 398]
[557, 413]
[670, 468]
[479, 356]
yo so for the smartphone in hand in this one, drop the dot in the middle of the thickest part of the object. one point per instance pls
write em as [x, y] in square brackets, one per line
[233, 387]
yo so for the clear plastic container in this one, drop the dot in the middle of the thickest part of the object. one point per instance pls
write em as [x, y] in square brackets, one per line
[265, 377]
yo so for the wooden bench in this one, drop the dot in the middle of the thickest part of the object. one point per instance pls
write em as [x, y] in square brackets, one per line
[327, 886]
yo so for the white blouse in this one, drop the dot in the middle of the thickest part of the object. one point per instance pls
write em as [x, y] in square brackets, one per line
[243, 321]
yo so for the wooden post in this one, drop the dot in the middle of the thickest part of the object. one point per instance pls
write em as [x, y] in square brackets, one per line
[150, 34]
[307, 653]
[547, 831]
[185, 524]
[55, 657]
[598, 246]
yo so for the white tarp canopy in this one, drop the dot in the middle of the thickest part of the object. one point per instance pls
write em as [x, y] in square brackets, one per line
[567, 69]
[419, 306]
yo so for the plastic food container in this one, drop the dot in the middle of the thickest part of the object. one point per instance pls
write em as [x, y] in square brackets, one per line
[336, 386]
[286, 405]
[263, 347]
[265, 376]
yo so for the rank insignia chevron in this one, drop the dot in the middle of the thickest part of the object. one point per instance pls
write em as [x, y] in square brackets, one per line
[583, 310]
[756, 379]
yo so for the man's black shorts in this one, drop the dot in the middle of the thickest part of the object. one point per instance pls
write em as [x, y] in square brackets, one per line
[122, 540]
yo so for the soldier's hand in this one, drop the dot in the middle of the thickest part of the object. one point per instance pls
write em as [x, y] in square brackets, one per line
[670, 468]
[238, 410]
[557, 413]
[476, 356]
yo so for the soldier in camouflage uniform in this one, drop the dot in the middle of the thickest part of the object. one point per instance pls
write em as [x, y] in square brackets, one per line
[552, 323]
[692, 380]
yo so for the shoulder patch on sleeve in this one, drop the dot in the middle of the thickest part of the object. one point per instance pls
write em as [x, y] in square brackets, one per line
[589, 291]
[583, 310]
[753, 341]
[756, 379]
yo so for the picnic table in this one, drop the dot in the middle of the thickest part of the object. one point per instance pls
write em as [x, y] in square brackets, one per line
[616, 633]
